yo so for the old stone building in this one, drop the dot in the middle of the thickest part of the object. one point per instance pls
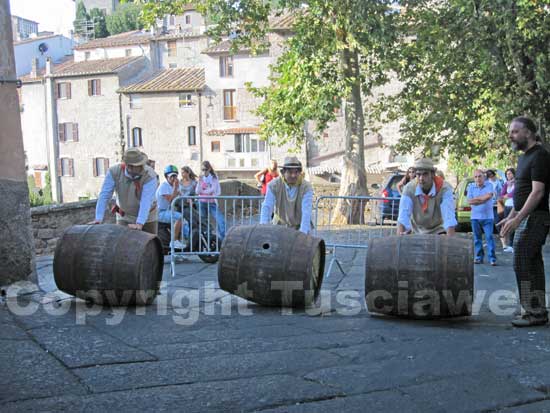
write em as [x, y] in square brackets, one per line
[162, 116]
[80, 131]
[178, 96]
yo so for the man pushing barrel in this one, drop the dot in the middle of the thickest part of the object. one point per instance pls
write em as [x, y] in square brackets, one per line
[135, 185]
[290, 196]
[427, 204]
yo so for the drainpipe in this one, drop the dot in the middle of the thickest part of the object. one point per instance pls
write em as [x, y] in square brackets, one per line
[52, 134]
[121, 120]
[200, 127]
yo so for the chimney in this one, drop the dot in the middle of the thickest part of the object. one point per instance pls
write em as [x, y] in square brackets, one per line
[48, 66]
[34, 67]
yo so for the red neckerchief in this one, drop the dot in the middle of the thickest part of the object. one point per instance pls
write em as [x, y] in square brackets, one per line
[438, 181]
[137, 184]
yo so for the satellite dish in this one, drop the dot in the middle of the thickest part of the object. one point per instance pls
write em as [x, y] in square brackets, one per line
[43, 48]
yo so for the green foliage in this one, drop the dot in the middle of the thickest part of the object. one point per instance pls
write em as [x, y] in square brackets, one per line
[469, 67]
[313, 77]
[100, 27]
[81, 17]
[38, 197]
[126, 18]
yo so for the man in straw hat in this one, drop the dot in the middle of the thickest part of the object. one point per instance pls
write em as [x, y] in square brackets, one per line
[427, 205]
[135, 184]
[291, 197]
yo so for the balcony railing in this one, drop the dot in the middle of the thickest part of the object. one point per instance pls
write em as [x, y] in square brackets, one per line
[229, 112]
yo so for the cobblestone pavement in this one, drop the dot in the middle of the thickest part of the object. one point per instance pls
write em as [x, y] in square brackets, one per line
[200, 349]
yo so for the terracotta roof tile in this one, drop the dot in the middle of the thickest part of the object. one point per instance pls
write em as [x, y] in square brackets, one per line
[233, 131]
[181, 35]
[35, 39]
[284, 22]
[28, 78]
[222, 47]
[92, 67]
[121, 39]
[168, 80]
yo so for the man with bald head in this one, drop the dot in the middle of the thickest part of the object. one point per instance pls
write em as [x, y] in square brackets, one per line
[480, 197]
[530, 219]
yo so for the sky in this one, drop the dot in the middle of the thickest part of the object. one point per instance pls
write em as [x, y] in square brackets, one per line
[53, 15]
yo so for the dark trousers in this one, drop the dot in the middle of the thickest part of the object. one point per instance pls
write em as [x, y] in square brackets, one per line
[529, 238]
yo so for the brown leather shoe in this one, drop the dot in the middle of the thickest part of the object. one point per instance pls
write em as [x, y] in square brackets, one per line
[529, 320]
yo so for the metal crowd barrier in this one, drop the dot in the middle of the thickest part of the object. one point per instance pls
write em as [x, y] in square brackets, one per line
[201, 229]
[363, 218]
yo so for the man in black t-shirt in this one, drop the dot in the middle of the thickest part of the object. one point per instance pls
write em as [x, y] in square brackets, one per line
[530, 218]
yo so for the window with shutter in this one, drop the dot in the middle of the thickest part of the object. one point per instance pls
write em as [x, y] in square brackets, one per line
[94, 87]
[68, 90]
[100, 166]
[68, 132]
[94, 166]
[229, 110]
[75, 132]
[185, 100]
[172, 48]
[226, 66]
[61, 132]
[136, 137]
[192, 135]
[65, 167]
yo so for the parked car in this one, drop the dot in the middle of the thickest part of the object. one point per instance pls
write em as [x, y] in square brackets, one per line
[388, 209]
[462, 208]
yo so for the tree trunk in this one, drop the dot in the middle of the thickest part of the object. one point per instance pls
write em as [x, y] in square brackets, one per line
[354, 177]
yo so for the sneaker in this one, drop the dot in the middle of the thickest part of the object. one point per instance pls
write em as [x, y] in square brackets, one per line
[529, 320]
[478, 262]
[493, 263]
[177, 245]
[508, 249]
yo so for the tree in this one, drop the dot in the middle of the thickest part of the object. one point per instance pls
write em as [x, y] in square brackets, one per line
[100, 25]
[333, 59]
[124, 19]
[80, 22]
[468, 67]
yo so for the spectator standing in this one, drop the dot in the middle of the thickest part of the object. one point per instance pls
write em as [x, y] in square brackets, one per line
[409, 176]
[495, 181]
[188, 181]
[480, 197]
[266, 175]
[208, 187]
[507, 195]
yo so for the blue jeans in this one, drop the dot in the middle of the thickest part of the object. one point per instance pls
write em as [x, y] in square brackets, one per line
[216, 213]
[480, 226]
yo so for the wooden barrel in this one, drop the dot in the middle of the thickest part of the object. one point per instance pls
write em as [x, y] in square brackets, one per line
[420, 276]
[109, 264]
[272, 265]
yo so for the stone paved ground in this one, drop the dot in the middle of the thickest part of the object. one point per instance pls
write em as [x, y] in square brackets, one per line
[200, 349]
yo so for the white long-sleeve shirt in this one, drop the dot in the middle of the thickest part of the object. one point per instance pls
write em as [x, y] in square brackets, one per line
[269, 204]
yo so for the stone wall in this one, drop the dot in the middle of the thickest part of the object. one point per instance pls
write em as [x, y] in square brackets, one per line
[49, 222]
